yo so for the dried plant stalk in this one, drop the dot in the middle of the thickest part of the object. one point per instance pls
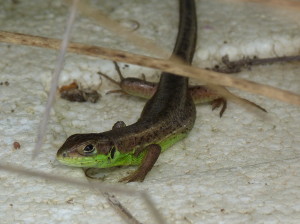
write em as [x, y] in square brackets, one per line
[203, 75]
[288, 4]
[93, 186]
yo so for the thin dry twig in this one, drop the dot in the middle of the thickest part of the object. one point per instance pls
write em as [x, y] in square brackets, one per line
[94, 186]
[288, 4]
[120, 209]
[230, 67]
[162, 64]
[113, 201]
[55, 77]
[123, 212]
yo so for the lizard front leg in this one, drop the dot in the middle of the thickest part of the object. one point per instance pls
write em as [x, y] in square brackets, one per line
[152, 153]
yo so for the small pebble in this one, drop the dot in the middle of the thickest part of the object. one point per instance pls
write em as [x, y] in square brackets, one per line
[16, 145]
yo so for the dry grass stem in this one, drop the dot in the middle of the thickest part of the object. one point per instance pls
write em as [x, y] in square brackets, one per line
[120, 209]
[287, 4]
[202, 75]
[93, 186]
[55, 78]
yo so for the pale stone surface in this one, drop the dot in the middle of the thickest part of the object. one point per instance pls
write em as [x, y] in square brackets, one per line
[242, 168]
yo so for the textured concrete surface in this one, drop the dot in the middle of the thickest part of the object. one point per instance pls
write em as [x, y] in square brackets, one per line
[242, 168]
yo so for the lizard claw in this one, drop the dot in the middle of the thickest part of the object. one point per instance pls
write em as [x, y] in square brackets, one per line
[219, 102]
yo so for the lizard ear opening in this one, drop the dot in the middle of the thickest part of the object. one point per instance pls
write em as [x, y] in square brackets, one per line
[112, 152]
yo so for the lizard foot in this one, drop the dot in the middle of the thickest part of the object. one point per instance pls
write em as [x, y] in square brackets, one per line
[219, 102]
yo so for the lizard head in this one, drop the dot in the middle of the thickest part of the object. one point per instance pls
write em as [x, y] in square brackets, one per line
[88, 150]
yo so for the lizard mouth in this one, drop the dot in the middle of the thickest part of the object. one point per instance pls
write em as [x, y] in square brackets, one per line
[76, 162]
[74, 159]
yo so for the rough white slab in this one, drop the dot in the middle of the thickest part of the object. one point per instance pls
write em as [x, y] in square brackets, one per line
[239, 169]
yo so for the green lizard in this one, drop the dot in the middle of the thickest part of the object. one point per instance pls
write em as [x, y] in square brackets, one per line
[166, 118]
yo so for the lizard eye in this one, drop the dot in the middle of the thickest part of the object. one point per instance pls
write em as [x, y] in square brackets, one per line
[89, 149]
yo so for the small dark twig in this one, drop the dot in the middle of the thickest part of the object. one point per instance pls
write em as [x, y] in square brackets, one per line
[247, 62]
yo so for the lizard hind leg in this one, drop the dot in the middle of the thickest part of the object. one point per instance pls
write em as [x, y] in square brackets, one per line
[109, 78]
[112, 80]
[152, 153]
